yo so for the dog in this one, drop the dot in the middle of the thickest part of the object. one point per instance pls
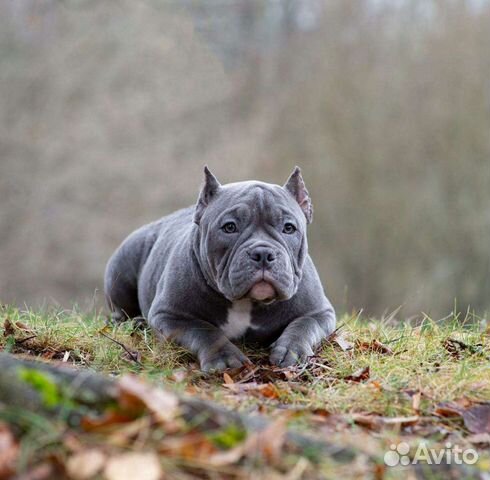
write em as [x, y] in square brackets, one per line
[234, 266]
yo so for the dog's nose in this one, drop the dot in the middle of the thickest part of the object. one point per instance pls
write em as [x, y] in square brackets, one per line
[264, 256]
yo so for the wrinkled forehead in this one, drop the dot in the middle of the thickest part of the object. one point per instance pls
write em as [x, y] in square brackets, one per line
[259, 198]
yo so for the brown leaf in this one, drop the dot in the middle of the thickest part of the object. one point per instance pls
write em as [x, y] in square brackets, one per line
[85, 464]
[477, 418]
[340, 341]
[134, 393]
[268, 390]
[266, 444]
[227, 379]
[131, 356]
[359, 375]
[9, 450]
[103, 422]
[457, 348]
[454, 408]
[192, 446]
[143, 466]
[447, 410]
[8, 328]
[373, 346]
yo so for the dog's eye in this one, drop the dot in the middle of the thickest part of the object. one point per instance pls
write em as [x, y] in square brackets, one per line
[288, 228]
[229, 227]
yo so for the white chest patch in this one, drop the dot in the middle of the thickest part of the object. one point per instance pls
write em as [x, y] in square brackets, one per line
[239, 318]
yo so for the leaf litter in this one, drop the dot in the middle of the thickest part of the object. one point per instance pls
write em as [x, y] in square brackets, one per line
[147, 425]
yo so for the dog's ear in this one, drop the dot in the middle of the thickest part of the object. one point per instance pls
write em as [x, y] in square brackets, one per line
[296, 187]
[208, 192]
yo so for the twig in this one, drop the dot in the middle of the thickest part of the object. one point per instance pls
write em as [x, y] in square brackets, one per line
[128, 351]
[20, 342]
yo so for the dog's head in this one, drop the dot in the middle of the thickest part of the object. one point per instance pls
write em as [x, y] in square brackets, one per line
[251, 240]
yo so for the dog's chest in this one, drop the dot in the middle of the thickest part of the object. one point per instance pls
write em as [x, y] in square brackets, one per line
[239, 319]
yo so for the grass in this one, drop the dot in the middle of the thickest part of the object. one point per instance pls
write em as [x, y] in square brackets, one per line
[419, 366]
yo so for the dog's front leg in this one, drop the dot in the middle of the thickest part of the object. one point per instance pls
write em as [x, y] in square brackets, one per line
[299, 338]
[214, 351]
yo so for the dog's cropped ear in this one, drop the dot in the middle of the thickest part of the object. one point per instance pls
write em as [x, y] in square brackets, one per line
[296, 187]
[208, 192]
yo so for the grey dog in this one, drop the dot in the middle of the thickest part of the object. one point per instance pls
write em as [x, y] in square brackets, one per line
[235, 265]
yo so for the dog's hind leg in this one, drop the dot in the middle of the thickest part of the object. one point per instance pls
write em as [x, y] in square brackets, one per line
[121, 287]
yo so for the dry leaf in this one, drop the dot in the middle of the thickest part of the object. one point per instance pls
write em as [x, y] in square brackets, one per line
[128, 466]
[8, 451]
[103, 422]
[8, 328]
[227, 379]
[131, 356]
[85, 464]
[374, 346]
[456, 348]
[477, 418]
[340, 340]
[359, 375]
[134, 393]
[192, 446]
[266, 444]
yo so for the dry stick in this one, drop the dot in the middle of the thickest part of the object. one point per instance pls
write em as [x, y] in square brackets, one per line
[20, 342]
[128, 351]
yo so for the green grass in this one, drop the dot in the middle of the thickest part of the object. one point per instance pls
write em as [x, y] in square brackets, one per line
[323, 400]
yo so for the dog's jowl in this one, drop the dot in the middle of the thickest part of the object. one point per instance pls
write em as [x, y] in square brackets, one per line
[234, 266]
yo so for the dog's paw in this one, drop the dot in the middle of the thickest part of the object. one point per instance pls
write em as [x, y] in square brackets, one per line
[285, 355]
[228, 357]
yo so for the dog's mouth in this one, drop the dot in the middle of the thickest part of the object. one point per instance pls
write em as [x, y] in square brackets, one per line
[262, 292]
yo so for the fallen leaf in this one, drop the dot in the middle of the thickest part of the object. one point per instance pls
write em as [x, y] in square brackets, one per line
[341, 342]
[227, 379]
[102, 422]
[131, 356]
[456, 348]
[192, 446]
[268, 390]
[125, 434]
[373, 346]
[23, 326]
[359, 375]
[266, 444]
[143, 466]
[8, 328]
[9, 450]
[454, 408]
[376, 385]
[477, 418]
[447, 410]
[134, 393]
[85, 464]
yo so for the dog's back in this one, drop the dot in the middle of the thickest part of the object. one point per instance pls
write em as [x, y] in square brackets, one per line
[141, 256]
